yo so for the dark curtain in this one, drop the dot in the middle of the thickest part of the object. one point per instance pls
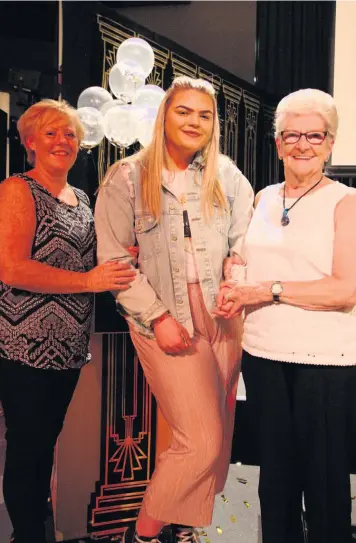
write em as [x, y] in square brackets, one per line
[294, 45]
[3, 142]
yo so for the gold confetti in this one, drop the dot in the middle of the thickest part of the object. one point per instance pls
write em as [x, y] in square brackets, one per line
[224, 498]
[219, 530]
[241, 480]
[247, 504]
[233, 518]
[207, 540]
[203, 533]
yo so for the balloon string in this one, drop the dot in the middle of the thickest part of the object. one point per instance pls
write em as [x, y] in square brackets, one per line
[93, 161]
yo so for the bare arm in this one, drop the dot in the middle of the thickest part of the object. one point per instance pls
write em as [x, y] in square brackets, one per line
[17, 269]
[337, 291]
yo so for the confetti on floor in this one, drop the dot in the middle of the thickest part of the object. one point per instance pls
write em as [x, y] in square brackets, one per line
[236, 516]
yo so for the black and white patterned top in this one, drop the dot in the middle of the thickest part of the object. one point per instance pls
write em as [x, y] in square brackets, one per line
[51, 331]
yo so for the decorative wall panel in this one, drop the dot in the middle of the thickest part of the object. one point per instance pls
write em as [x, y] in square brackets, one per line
[270, 161]
[252, 107]
[127, 438]
[232, 97]
[343, 174]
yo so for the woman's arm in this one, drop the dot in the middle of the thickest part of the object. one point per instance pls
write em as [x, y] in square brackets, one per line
[114, 222]
[337, 291]
[17, 269]
[241, 214]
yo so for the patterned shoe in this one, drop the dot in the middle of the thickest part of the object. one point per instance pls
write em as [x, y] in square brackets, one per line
[130, 536]
[185, 534]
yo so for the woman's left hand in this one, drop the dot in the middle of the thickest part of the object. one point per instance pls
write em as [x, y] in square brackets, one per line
[232, 299]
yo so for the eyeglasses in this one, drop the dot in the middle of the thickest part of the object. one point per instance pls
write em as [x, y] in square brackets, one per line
[315, 138]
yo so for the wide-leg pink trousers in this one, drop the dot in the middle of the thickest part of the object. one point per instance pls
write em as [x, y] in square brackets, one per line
[196, 393]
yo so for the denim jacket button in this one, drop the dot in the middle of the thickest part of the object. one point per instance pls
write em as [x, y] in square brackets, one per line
[176, 269]
[174, 238]
[179, 301]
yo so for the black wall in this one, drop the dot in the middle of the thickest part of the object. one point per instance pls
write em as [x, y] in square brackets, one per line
[222, 32]
[3, 130]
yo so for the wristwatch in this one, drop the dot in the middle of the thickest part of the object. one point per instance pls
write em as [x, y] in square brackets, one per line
[276, 289]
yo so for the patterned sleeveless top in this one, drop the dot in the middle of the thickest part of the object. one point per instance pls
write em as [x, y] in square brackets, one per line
[51, 331]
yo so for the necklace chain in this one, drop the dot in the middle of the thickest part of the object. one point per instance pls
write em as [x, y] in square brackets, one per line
[285, 220]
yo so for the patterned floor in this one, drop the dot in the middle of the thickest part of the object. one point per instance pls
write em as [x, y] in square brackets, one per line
[237, 513]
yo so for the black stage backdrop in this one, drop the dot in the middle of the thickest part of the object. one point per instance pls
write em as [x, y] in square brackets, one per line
[295, 45]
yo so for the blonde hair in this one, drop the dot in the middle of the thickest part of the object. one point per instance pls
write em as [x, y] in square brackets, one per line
[39, 114]
[308, 101]
[153, 157]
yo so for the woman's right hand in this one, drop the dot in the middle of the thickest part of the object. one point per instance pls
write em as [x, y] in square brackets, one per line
[110, 276]
[172, 337]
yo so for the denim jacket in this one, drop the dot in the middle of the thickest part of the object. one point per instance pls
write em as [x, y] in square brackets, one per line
[160, 283]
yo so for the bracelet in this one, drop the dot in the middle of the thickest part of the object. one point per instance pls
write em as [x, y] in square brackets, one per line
[161, 318]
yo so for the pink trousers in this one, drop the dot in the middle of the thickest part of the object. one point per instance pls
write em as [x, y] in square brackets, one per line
[196, 393]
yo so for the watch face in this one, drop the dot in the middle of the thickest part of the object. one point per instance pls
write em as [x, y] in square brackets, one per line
[277, 288]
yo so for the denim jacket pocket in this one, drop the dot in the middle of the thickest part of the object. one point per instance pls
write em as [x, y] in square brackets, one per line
[147, 232]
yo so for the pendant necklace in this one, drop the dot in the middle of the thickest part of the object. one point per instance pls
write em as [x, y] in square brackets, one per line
[285, 219]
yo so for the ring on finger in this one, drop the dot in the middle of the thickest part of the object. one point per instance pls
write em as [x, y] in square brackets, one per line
[228, 295]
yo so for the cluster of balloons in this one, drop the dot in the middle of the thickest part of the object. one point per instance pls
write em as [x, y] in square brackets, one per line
[130, 116]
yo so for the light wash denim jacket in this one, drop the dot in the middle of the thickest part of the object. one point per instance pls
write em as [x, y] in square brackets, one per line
[160, 284]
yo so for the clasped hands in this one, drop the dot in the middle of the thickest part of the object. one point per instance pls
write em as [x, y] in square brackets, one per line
[233, 297]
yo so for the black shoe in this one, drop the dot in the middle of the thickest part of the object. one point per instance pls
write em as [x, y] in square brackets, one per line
[185, 534]
[130, 536]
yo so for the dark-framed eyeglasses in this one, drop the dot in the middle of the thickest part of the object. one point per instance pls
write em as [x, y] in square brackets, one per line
[314, 137]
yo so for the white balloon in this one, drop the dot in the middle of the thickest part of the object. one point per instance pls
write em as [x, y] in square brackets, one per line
[121, 125]
[122, 86]
[92, 122]
[94, 97]
[151, 112]
[149, 96]
[137, 55]
[145, 130]
[108, 105]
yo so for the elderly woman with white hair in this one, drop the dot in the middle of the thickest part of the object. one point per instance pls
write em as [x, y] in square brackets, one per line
[299, 361]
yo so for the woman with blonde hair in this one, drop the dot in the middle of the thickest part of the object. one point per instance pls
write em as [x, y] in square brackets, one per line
[47, 277]
[186, 206]
[299, 361]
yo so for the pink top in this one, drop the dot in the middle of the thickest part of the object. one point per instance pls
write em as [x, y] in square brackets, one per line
[301, 251]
